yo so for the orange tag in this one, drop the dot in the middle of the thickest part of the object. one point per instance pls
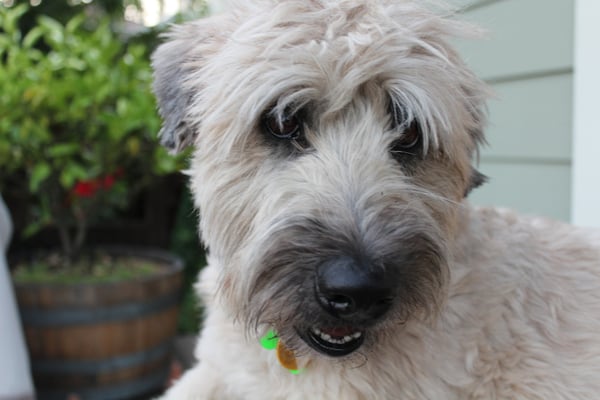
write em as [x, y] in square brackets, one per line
[286, 357]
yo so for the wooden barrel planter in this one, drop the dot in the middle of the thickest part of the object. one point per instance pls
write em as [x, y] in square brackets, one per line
[103, 341]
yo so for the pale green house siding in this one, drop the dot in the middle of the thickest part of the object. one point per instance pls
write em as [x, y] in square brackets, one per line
[527, 58]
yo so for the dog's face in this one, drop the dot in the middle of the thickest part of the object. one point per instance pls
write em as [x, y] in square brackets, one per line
[333, 147]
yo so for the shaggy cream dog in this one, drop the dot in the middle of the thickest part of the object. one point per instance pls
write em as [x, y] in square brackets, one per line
[333, 152]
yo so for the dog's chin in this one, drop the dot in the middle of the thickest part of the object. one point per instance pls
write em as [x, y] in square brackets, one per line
[336, 341]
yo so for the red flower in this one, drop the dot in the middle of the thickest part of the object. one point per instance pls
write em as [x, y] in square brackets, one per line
[108, 181]
[90, 187]
[85, 188]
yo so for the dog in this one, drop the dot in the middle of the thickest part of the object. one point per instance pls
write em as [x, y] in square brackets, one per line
[334, 146]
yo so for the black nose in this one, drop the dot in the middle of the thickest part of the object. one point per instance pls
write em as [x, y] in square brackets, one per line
[346, 288]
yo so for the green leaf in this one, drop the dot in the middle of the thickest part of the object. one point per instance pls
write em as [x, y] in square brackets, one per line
[32, 37]
[43, 220]
[74, 23]
[122, 106]
[34, 95]
[63, 149]
[79, 171]
[71, 173]
[32, 229]
[164, 163]
[5, 42]
[38, 175]
[75, 63]
[53, 28]
[11, 18]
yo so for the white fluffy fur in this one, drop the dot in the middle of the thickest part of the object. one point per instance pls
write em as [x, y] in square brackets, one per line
[519, 314]
[521, 322]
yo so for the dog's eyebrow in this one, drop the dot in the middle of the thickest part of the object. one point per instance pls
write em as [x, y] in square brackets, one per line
[401, 115]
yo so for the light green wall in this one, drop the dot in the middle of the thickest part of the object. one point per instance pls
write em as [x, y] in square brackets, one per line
[527, 58]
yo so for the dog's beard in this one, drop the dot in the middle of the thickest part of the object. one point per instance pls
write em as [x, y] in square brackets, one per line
[282, 296]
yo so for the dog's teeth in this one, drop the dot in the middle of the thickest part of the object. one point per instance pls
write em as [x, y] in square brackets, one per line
[342, 340]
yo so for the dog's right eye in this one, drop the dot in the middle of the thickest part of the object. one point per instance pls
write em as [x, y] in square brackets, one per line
[286, 127]
[408, 142]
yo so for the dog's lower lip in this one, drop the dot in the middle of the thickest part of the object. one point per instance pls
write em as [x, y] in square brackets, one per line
[327, 342]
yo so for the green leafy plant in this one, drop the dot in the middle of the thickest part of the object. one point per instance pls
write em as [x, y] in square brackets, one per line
[78, 123]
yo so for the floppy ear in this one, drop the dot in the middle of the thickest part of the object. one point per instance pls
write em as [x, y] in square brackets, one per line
[174, 63]
[170, 76]
[477, 179]
[474, 99]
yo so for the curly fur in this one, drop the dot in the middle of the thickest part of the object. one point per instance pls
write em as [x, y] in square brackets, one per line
[488, 304]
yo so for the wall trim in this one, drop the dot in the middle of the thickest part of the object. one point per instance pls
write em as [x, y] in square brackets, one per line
[585, 204]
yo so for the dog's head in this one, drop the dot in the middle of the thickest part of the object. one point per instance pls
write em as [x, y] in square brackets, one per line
[334, 143]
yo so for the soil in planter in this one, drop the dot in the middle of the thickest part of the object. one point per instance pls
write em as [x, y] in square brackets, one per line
[95, 268]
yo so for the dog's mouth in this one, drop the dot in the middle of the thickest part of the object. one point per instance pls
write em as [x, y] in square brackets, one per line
[334, 341]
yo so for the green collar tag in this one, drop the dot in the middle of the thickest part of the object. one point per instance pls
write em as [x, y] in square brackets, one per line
[270, 341]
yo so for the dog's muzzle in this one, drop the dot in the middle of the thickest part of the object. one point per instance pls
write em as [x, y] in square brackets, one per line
[355, 294]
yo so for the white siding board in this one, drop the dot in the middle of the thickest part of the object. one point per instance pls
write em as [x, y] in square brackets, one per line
[531, 119]
[586, 138]
[525, 36]
[542, 189]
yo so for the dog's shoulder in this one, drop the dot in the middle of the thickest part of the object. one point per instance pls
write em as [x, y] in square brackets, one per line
[532, 259]
[531, 285]
[509, 229]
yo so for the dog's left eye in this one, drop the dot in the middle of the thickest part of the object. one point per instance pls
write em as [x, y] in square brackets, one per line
[287, 126]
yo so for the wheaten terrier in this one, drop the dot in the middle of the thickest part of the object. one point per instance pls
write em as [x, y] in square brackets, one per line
[334, 144]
